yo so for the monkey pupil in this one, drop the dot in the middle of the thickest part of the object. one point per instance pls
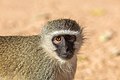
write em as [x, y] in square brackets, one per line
[58, 38]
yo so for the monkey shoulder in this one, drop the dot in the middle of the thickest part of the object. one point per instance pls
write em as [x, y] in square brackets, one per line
[18, 43]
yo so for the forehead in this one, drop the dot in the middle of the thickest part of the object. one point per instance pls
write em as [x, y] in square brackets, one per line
[64, 24]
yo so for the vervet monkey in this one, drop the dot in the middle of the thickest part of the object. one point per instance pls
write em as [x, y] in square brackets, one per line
[50, 55]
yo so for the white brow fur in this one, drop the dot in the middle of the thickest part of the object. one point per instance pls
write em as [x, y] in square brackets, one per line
[64, 32]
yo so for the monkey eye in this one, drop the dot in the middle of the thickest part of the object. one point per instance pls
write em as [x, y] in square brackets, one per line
[57, 39]
[71, 38]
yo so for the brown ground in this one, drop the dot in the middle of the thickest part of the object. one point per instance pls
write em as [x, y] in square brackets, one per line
[100, 58]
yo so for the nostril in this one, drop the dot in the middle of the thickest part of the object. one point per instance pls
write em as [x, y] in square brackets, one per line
[67, 49]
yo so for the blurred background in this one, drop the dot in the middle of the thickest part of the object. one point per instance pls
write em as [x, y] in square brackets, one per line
[99, 57]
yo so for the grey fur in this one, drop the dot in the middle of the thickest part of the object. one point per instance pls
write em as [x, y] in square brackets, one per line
[25, 57]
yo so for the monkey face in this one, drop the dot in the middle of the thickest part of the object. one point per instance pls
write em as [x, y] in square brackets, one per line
[64, 45]
[62, 39]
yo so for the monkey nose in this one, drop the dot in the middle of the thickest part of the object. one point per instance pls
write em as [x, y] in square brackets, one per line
[65, 50]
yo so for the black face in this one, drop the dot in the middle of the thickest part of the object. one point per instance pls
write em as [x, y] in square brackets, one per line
[64, 45]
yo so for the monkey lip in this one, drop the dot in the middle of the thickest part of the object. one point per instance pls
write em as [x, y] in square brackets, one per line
[66, 55]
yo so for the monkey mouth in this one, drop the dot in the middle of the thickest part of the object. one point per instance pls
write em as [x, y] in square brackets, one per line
[66, 56]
